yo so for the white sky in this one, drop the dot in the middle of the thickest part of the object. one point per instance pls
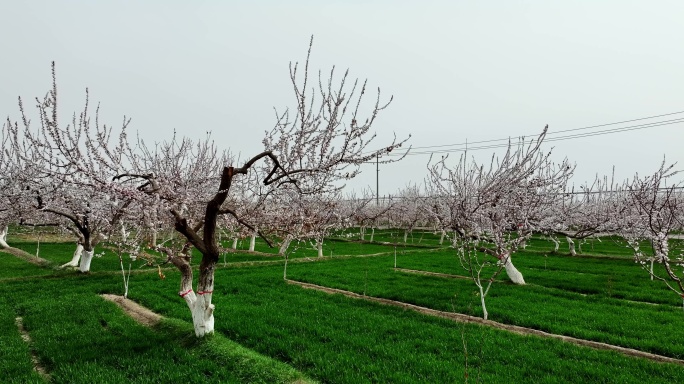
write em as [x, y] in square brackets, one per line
[458, 70]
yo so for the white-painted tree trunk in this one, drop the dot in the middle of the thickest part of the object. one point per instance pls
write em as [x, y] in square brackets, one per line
[235, 242]
[512, 272]
[372, 234]
[3, 237]
[454, 240]
[285, 245]
[126, 279]
[202, 315]
[441, 237]
[319, 247]
[75, 258]
[202, 311]
[652, 260]
[405, 236]
[362, 233]
[38, 246]
[556, 243]
[571, 245]
[485, 314]
[252, 242]
[86, 258]
[199, 303]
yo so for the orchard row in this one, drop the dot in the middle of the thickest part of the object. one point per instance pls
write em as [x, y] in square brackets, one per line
[99, 183]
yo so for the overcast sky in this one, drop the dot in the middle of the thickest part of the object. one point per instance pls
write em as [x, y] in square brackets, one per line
[458, 70]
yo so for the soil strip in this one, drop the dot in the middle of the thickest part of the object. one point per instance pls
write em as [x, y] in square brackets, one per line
[476, 320]
[26, 256]
[426, 273]
[139, 313]
[34, 358]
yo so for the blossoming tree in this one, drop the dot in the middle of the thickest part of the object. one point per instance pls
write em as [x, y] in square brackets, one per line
[654, 212]
[497, 207]
[66, 171]
[313, 149]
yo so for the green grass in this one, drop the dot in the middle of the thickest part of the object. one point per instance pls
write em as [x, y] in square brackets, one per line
[613, 246]
[81, 338]
[336, 339]
[417, 237]
[331, 247]
[14, 267]
[616, 278]
[61, 252]
[269, 331]
[547, 308]
[107, 260]
[15, 357]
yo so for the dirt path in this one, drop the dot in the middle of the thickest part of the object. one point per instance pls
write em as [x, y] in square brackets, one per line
[34, 358]
[26, 256]
[136, 311]
[511, 328]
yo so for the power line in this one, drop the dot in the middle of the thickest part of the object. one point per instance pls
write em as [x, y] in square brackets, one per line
[507, 141]
[504, 142]
[619, 130]
[619, 122]
[551, 132]
[560, 138]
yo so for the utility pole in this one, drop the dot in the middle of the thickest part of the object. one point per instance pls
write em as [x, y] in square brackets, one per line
[377, 179]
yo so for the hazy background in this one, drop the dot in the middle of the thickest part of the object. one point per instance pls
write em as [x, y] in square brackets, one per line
[458, 70]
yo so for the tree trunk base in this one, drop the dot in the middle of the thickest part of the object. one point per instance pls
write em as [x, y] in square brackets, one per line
[512, 272]
[86, 259]
[76, 258]
[3, 238]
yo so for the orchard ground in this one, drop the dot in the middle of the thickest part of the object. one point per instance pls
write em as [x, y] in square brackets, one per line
[270, 331]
